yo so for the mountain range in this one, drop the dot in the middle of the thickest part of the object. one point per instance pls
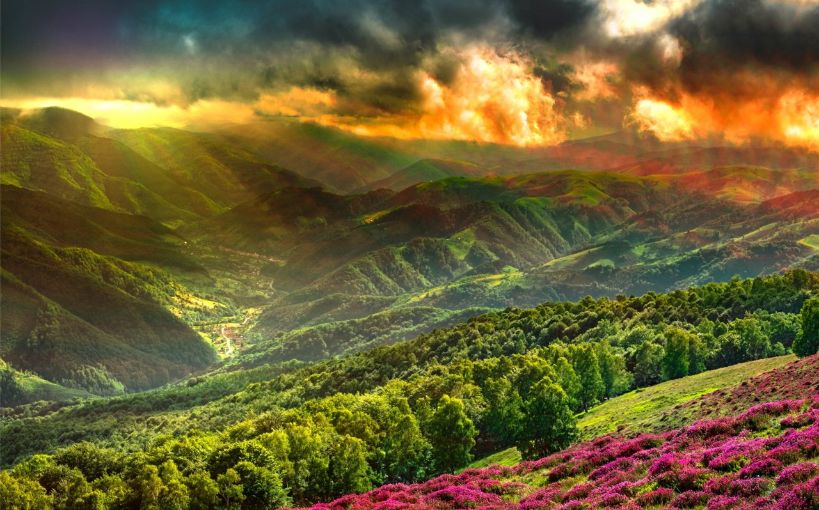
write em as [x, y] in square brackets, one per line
[299, 242]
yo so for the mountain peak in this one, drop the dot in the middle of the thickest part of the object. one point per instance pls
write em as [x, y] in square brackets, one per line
[59, 123]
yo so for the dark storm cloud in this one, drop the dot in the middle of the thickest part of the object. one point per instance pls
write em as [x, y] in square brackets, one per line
[366, 51]
[546, 19]
[189, 40]
[721, 42]
[750, 31]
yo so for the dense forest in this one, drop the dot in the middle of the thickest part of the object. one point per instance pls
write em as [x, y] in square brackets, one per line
[400, 413]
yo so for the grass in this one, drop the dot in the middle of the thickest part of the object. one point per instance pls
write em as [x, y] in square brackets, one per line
[508, 457]
[812, 241]
[643, 410]
[36, 388]
[640, 409]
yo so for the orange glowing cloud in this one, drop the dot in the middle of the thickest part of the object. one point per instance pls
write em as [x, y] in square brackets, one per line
[297, 102]
[596, 79]
[663, 120]
[798, 119]
[789, 116]
[494, 98]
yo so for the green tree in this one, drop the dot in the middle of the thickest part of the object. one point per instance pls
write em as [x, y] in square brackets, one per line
[89, 458]
[148, 488]
[753, 343]
[616, 378]
[11, 392]
[203, 490]
[406, 450]
[569, 381]
[587, 368]
[231, 491]
[233, 453]
[261, 487]
[114, 489]
[22, 493]
[73, 492]
[174, 494]
[550, 423]
[782, 327]
[648, 364]
[348, 470]
[504, 417]
[697, 354]
[675, 361]
[807, 343]
[452, 435]
[310, 460]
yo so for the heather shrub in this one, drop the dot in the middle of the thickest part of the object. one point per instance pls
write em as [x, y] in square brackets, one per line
[690, 499]
[797, 473]
[659, 496]
[761, 467]
[804, 496]
[722, 502]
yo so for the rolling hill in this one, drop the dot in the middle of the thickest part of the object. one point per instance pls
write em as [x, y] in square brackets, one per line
[337, 416]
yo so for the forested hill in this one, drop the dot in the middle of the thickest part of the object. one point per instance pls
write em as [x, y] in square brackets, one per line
[272, 435]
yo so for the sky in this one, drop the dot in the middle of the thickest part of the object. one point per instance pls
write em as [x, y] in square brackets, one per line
[522, 72]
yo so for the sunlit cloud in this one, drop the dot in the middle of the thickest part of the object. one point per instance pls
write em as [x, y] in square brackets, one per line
[596, 78]
[790, 117]
[623, 18]
[493, 97]
[126, 114]
[798, 118]
[663, 120]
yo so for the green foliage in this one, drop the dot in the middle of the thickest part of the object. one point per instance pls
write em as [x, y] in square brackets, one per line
[295, 434]
[807, 343]
[648, 359]
[550, 424]
[22, 493]
[452, 435]
[586, 366]
[676, 360]
[203, 490]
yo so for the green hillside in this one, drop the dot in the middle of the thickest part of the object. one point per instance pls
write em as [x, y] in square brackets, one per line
[17, 388]
[61, 264]
[355, 413]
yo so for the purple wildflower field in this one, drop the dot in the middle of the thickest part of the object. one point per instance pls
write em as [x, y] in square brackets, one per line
[765, 457]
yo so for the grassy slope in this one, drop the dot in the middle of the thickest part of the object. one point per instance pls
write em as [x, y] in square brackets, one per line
[31, 388]
[645, 409]
[653, 408]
